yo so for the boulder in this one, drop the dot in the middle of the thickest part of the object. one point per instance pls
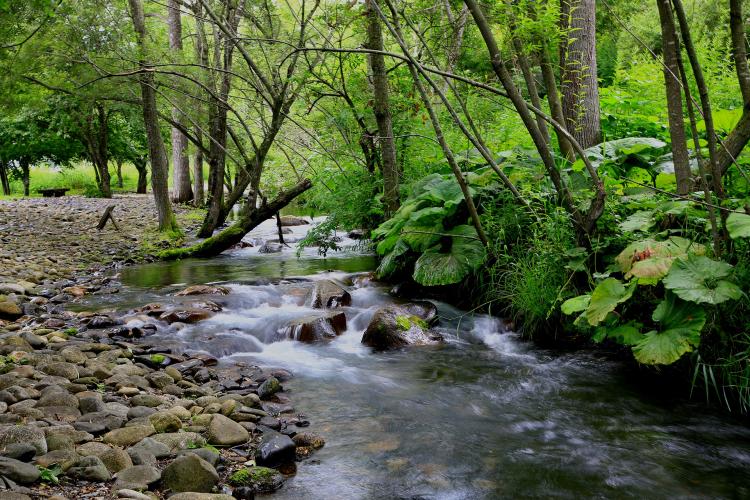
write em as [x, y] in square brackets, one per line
[269, 387]
[128, 435]
[187, 315]
[61, 369]
[327, 294]
[24, 452]
[315, 328]
[226, 432]
[64, 458]
[395, 326]
[203, 290]
[176, 441]
[152, 447]
[270, 247]
[138, 477]
[201, 496]
[290, 220]
[24, 434]
[18, 471]
[274, 450]
[10, 310]
[258, 479]
[90, 469]
[116, 460]
[164, 421]
[190, 473]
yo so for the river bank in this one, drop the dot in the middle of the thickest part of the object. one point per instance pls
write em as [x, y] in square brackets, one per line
[89, 406]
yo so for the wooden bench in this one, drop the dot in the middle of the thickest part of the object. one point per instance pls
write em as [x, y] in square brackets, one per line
[53, 192]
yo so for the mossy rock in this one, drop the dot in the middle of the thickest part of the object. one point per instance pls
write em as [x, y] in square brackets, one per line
[259, 479]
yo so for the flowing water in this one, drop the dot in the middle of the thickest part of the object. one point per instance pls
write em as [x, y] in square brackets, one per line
[484, 416]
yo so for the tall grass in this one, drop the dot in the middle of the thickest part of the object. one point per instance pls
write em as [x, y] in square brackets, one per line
[79, 178]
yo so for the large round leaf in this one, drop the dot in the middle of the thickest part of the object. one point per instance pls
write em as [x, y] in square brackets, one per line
[576, 304]
[605, 298]
[392, 261]
[738, 225]
[466, 254]
[698, 279]
[424, 228]
[652, 259]
[682, 323]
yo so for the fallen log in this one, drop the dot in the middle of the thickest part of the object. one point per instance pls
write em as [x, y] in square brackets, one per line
[232, 235]
[107, 215]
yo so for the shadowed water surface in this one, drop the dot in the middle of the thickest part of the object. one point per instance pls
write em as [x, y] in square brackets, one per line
[484, 416]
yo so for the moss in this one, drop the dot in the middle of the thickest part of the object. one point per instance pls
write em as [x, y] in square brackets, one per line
[405, 323]
[244, 477]
[157, 358]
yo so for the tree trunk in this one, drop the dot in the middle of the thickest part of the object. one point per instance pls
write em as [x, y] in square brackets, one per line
[382, 112]
[157, 152]
[198, 175]
[680, 155]
[119, 173]
[4, 182]
[181, 189]
[95, 136]
[25, 175]
[580, 87]
[248, 220]
[141, 167]
[555, 105]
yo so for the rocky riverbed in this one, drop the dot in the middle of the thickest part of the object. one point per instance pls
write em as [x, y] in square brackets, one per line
[89, 408]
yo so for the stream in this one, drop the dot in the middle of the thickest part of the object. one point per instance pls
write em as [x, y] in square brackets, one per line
[486, 415]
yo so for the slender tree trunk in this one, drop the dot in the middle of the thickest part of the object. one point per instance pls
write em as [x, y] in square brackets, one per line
[25, 175]
[555, 104]
[580, 87]
[528, 77]
[119, 173]
[680, 155]
[198, 174]
[141, 167]
[157, 152]
[458, 24]
[181, 189]
[382, 112]
[4, 182]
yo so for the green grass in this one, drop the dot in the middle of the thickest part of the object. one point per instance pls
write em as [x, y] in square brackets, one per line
[78, 178]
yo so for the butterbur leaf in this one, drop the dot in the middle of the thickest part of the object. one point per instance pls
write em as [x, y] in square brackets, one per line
[390, 262]
[699, 279]
[424, 228]
[639, 221]
[438, 266]
[628, 334]
[652, 259]
[446, 193]
[605, 298]
[681, 323]
[738, 225]
[576, 304]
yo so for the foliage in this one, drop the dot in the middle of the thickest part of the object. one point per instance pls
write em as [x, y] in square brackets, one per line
[50, 474]
[323, 236]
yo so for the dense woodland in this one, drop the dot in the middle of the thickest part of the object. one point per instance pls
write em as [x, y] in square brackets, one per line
[579, 166]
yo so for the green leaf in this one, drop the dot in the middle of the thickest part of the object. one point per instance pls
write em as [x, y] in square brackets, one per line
[576, 304]
[639, 221]
[682, 323]
[652, 259]
[447, 193]
[738, 225]
[390, 262]
[424, 228]
[628, 334]
[605, 298]
[698, 279]
[439, 267]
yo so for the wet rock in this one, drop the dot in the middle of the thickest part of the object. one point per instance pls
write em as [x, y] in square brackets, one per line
[201, 496]
[258, 479]
[138, 477]
[190, 473]
[357, 234]
[103, 321]
[327, 294]
[269, 387]
[395, 326]
[18, 471]
[90, 469]
[315, 328]
[203, 290]
[24, 434]
[271, 247]
[309, 439]
[289, 220]
[226, 432]
[192, 315]
[274, 450]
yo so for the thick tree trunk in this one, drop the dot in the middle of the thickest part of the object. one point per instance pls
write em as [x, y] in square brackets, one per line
[680, 155]
[580, 87]
[248, 220]
[141, 167]
[4, 181]
[25, 176]
[157, 152]
[95, 135]
[181, 190]
[382, 112]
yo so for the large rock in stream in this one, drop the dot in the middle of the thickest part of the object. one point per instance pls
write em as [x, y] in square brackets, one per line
[289, 220]
[315, 328]
[328, 295]
[397, 326]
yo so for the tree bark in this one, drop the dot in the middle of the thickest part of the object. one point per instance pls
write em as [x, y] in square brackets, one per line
[157, 152]
[673, 89]
[119, 173]
[25, 176]
[95, 135]
[381, 110]
[580, 87]
[141, 167]
[198, 174]
[4, 181]
[181, 189]
[248, 220]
